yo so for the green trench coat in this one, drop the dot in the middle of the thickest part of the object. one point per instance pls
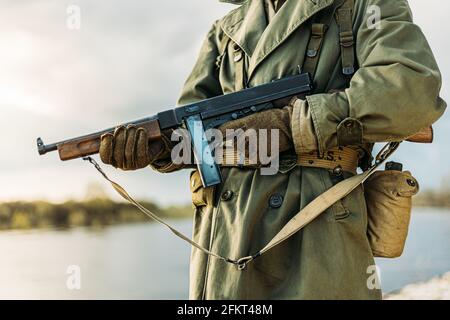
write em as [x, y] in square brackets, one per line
[393, 94]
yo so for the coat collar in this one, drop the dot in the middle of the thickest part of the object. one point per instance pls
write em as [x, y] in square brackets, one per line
[246, 26]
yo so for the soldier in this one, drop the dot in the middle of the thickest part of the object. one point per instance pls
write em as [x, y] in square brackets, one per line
[375, 81]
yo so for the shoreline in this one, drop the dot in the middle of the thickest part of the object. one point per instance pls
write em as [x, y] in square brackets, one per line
[437, 288]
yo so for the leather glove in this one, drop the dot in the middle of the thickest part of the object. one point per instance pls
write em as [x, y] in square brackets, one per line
[271, 119]
[130, 149]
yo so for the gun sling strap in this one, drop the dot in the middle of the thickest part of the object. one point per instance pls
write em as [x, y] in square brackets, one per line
[298, 222]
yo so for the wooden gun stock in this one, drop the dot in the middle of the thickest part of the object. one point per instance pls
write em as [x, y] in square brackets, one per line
[77, 149]
[425, 135]
[89, 145]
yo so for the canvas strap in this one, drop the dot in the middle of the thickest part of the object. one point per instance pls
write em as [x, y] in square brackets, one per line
[340, 157]
[342, 10]
[124, 194]
[311, 61]
[298, 222]
[320, 25]
[344, 17]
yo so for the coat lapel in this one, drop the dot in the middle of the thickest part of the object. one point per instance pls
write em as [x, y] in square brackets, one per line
[247, 26]
[290, 17]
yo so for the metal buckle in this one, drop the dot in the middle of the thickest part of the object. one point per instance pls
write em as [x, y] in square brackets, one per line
[386, 151]
[243, 262]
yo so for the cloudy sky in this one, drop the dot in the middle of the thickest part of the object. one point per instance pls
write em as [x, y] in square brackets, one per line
[128, 60]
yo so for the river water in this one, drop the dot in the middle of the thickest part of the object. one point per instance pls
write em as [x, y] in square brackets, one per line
[144, 261]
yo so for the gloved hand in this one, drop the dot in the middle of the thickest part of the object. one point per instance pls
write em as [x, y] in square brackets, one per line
[271, 119]
[130, 149]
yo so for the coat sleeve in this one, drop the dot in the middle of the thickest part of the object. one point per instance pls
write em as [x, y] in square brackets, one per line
[201, 84]
[395, 92]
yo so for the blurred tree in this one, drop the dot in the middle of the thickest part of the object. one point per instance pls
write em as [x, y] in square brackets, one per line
[95, 190]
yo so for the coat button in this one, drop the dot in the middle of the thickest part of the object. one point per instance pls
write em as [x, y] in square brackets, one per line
[311, 53]
[238, 56]
[227, 195]
[338, 171]
[276, 201]
[349, 124]
[411, 183]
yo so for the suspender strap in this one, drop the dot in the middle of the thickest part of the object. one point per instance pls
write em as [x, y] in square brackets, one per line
[347, 41]
[318, 31]
[320, 25]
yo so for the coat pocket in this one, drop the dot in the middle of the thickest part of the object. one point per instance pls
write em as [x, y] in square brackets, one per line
[200, 196]
[338, 210]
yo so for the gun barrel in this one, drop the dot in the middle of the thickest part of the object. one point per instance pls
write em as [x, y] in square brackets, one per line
[43, 149]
